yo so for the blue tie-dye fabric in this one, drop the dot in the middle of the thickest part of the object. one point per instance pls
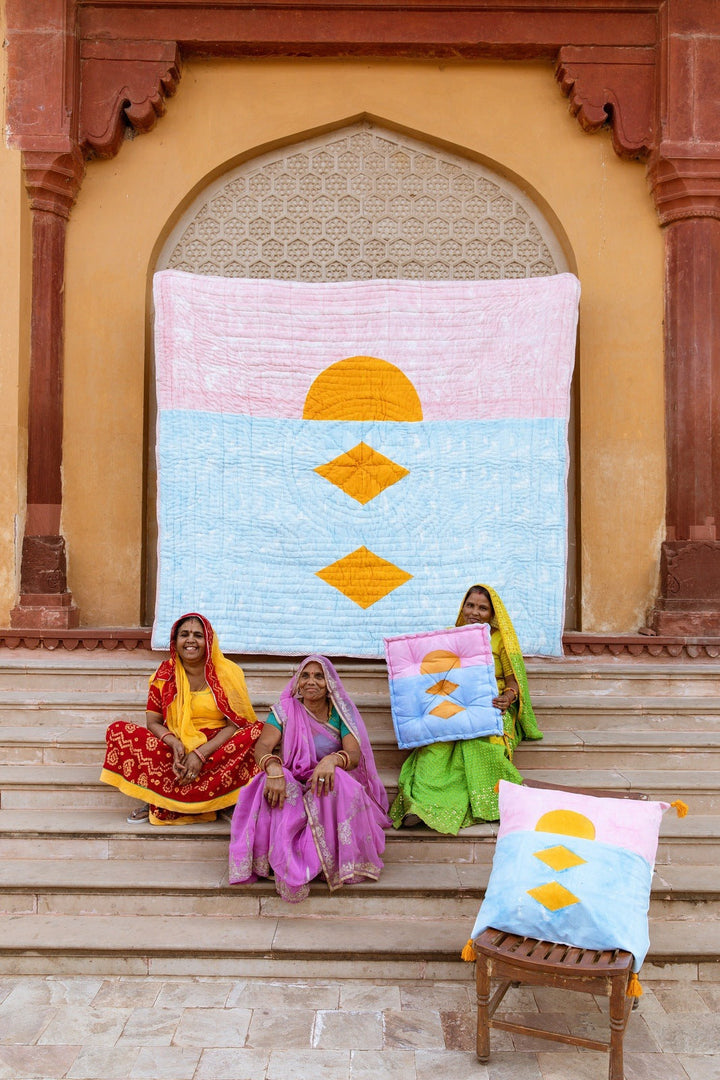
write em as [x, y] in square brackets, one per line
[612, 887]
[484, 500]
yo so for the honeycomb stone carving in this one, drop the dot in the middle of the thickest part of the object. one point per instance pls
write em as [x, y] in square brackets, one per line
[363, 202]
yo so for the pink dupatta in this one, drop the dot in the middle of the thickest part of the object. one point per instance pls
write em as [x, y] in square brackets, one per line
[339, 834]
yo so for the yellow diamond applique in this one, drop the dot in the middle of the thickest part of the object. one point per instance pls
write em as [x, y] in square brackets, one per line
[553, 896]
[559, 858]
[446, 709]
[362, 473]
[442, 687]
[364, 577]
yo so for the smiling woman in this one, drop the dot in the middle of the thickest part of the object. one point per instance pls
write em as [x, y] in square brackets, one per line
[450, 785]
[196, 751]
[318, 807]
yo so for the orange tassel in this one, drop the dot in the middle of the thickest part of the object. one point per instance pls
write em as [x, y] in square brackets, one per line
[680, 806]
[468, 953]
[634, 989]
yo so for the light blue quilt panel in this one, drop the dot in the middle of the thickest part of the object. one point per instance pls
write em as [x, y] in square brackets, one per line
[611, 890]
[412, 705]
[245, 523]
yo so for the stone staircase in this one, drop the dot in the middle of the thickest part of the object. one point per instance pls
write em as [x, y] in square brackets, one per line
[82, 891]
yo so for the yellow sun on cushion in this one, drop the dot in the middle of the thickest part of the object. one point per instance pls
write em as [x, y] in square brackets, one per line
[362, 388]
[439, 660]
[567, 823]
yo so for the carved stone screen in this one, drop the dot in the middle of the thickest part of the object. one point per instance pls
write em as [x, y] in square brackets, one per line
[363, 202]
[356, 203]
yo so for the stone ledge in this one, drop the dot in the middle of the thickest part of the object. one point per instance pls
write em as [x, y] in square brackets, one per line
[575, 643]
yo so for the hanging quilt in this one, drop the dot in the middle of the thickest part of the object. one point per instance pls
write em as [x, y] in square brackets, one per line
[338, 462]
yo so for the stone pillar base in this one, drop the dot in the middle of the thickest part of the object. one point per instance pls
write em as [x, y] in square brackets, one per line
[45, 611]
[689, 601]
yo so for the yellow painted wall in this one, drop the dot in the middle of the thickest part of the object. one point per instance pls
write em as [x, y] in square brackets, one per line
[512, 114]
[14, 340]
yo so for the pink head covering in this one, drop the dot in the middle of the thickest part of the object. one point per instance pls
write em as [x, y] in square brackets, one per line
[298, 746]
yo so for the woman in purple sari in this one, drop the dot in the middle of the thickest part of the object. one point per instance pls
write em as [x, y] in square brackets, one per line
[318, 806]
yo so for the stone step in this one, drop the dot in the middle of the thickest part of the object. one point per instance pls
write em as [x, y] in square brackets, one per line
[24, 787]
[95, 711]
[182, 888]
[84, 744]
[79, 671]
[106, 835]
[274, 946]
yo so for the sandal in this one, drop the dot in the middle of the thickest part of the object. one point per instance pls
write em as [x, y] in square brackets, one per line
[140, 813]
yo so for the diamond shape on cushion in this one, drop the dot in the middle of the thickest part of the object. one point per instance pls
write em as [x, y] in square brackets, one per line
[559, 858]
[446, 709]
[553, 896]
[442, 687]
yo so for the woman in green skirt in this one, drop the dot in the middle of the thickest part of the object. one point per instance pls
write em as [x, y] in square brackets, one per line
[450, 785]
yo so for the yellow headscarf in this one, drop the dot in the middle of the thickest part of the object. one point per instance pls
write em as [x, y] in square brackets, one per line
[224, 678]
[502, 622]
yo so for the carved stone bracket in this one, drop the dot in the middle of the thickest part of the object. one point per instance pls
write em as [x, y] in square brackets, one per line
[685, 181]
[53, 179]
[123, 84]
[612, 85]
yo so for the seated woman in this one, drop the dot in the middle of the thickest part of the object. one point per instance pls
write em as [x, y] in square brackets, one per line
[318, 805]
[196, 752]
[450, 785]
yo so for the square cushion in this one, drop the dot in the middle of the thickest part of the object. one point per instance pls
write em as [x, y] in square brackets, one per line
[441, 686]
[574, 869]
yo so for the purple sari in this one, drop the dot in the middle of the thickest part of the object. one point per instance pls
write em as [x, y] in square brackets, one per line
[339, 834]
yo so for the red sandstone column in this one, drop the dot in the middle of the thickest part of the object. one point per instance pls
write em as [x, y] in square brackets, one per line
[53, 181]
[685, 176]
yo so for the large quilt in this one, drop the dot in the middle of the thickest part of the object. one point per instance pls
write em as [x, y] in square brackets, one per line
[337, 463]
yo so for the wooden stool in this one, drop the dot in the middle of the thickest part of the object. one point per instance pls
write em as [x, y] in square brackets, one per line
[519, 960]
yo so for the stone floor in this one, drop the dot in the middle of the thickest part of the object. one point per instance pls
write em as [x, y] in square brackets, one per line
[154, 1028]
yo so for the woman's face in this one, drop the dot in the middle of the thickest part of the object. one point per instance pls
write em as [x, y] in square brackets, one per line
[477, 608]
[190, 641]
[311, 685]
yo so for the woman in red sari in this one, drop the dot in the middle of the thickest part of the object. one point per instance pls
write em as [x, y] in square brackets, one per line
[196, 751]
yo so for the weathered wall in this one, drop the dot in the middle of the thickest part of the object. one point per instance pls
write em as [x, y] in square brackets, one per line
[514, 116]
[14, 325]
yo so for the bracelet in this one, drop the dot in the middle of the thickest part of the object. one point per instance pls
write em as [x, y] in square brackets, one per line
[513, 691]
[268, 757]
[164, 737]
[345, 763]
[201, 756]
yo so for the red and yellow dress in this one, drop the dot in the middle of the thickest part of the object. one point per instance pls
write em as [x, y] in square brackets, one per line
[139, 764]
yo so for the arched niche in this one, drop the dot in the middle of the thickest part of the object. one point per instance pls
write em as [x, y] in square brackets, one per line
[359, 202]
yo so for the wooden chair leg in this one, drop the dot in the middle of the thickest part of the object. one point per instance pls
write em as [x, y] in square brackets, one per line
[618, 1019]
[482, 983]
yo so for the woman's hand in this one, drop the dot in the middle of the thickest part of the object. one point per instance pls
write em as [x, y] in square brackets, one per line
[504, 701]
[275, 789]
[191, 768]
[178, 753]
[322, 780]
